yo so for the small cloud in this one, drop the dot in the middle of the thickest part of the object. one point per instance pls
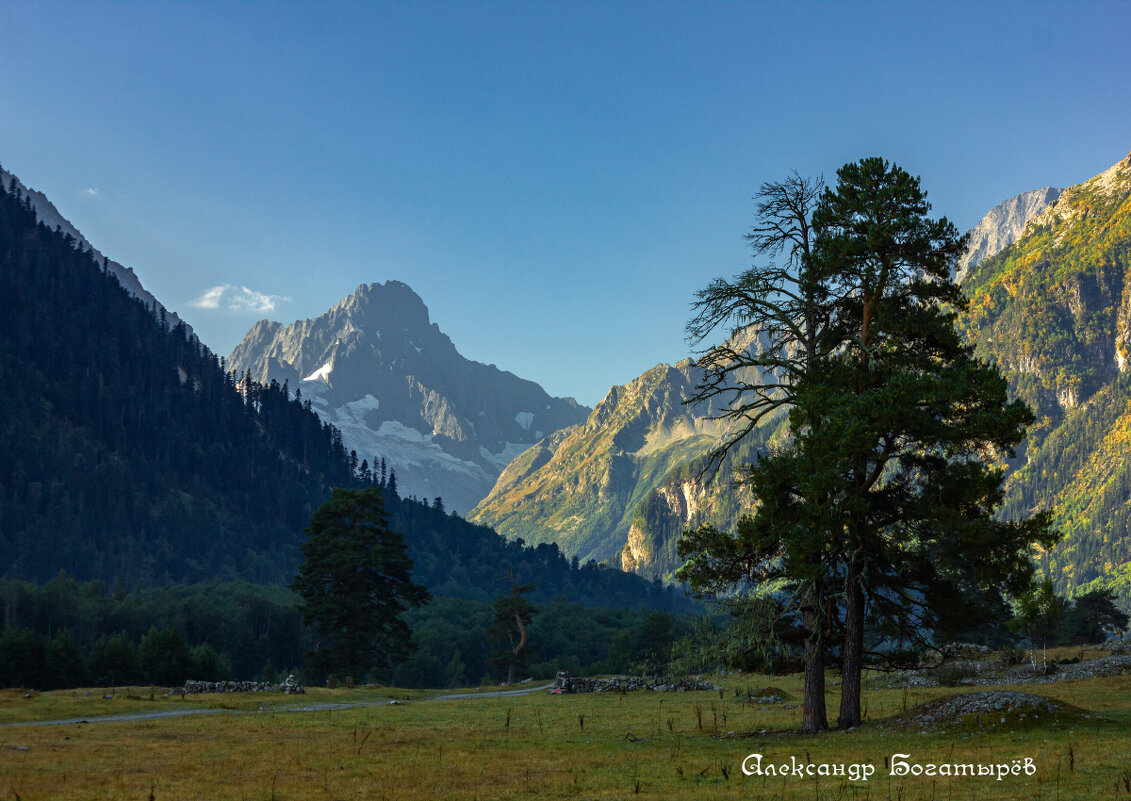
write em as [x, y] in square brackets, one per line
[237, 298]
[94, 191]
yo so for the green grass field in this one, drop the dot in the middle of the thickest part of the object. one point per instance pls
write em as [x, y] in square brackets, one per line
[601, 746]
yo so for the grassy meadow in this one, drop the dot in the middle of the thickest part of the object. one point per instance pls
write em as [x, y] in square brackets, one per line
[598, 746]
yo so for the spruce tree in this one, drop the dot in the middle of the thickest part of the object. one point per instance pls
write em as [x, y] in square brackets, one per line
[355, 583]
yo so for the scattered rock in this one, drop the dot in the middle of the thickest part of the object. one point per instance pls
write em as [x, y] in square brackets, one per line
[571, 684]
[986, 710]
[990, 673]
[290, 686]
[767, 695]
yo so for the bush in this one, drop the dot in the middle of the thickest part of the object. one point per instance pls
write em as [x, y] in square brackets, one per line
[208, 665]
[952, 674]
[165, 657]
[1011, 656]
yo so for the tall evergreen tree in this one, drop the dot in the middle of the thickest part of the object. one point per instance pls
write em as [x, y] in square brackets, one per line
[355, 583]
[913, 427]
[885, 495]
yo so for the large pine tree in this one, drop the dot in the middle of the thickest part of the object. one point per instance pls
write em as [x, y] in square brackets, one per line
[884, 497]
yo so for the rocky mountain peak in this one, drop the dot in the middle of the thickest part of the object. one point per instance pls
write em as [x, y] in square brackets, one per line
[392, 305]
[1003, 225]
[393, 383]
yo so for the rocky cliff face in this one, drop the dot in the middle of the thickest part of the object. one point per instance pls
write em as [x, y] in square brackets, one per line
[1003, 224]
[579, 487]
[47, 214]
[596, 486]
[681, 500]
[376, 367]
[1052, 308]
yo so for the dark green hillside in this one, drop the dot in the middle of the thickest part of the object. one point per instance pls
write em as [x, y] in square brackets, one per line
[458, 559]
[127, 450]
[129, 454]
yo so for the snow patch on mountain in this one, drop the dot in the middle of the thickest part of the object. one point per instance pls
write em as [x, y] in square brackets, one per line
[379, 369]
[321, 373]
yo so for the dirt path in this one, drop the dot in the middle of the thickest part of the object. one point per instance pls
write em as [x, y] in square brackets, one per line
[494, 693]
[327, 707]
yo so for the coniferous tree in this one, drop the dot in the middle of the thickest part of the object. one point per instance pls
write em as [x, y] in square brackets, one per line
[513, 614]
[355, 583]
[911, 424]
[884, 498]
[1091, 617]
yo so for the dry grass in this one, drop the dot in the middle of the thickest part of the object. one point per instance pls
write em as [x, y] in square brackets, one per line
[637, 745]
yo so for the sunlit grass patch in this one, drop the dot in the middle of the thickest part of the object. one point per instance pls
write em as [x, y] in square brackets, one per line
[587, 746]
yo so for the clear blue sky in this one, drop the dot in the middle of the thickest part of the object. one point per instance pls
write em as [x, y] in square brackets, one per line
[554, 179]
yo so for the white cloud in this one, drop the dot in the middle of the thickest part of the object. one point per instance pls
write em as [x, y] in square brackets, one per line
[237, 298]
[94, 191]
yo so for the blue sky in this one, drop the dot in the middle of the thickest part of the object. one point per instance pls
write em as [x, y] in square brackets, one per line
[554, 179]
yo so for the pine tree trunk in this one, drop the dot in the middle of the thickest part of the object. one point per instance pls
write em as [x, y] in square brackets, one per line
[853, 663]
[814, 718]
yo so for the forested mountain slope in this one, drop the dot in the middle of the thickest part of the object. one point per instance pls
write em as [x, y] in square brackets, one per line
[1054, 311]
[132, 457]
[50, 216]
[128, 452]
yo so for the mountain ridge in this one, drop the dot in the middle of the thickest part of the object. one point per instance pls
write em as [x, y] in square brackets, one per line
[49, 215]
[588, 487]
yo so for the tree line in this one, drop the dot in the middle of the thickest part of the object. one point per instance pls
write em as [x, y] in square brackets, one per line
[67, 633]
